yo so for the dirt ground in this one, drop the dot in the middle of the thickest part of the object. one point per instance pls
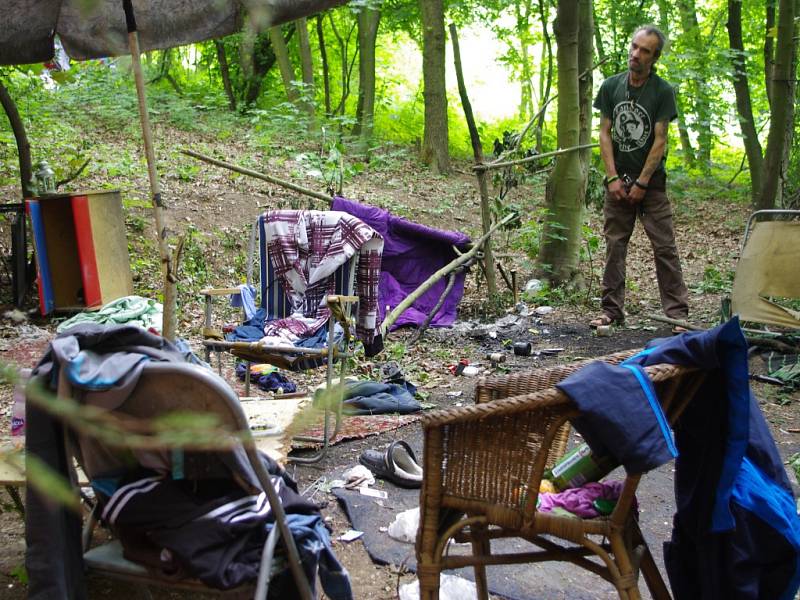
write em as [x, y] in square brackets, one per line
[220, 207]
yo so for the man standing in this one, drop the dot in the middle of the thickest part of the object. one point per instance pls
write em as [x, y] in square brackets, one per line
[637, 107]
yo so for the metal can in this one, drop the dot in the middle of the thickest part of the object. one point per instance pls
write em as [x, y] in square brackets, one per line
[523, 348]
[496, 357]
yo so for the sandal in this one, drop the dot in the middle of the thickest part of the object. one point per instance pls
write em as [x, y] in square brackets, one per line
[602, 321]
[677, 330]
[398, 464]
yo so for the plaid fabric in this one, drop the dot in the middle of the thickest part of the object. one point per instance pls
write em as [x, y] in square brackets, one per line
[307, 246]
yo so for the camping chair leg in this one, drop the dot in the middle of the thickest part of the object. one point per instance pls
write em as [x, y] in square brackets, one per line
[247, 379]
[262, 587]
[326, 439]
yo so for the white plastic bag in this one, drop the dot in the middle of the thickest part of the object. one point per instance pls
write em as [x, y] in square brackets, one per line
[404, 527]
[451, 587]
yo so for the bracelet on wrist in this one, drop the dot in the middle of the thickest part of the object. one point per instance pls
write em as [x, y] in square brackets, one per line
[639, 184]
[607, 180]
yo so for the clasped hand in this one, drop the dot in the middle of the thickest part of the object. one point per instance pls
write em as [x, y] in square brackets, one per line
[619, 192]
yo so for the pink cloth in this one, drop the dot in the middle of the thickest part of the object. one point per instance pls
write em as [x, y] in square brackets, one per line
[579, 500]
[306, 247]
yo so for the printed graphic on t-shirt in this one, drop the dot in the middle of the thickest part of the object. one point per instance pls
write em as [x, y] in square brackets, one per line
[631, 126]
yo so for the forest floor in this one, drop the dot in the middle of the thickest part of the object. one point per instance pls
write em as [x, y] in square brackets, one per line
[218, 207]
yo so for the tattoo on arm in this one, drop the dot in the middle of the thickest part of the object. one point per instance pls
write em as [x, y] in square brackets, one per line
[657, 151]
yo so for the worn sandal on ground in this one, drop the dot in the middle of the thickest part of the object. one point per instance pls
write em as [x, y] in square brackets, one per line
[677, 330]
[602, 321]
[398, 464]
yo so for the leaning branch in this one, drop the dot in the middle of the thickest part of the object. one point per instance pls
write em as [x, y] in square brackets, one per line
[269, 178]
[389, 320]
[535, 157]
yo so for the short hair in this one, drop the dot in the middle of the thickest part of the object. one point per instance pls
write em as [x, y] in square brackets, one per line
[653, 30]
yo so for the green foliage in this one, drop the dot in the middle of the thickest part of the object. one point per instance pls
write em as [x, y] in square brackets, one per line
[20, 573]
[193, 267]
[714, 282]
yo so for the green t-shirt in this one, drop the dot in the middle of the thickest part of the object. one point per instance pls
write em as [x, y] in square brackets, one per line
[634, 113]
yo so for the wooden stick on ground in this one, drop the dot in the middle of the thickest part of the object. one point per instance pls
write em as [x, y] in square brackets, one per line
[752, 340]
[269, 178]
[389, 319]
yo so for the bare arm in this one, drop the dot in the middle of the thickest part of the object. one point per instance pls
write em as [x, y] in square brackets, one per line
[654, 157]
[615, 188]
[656, 152]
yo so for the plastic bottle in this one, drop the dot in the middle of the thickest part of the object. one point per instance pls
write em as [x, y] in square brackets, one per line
[18, 409]
[578, 466]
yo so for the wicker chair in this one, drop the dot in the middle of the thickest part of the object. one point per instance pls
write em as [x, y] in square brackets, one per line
[484, 463]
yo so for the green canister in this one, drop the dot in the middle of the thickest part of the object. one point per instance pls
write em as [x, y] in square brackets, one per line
[579, 466]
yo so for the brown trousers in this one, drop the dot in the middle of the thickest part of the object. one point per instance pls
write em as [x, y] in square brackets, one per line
[655, 213]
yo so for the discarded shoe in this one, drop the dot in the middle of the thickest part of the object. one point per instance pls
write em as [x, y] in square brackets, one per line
[398, 464]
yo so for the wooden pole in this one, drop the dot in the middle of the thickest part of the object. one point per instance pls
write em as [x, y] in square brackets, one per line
[269, 178]
[527, 159]
[477, 151]
[389, 320]
[168, 270]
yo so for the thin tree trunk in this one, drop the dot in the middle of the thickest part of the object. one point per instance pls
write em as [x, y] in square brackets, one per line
[585, 62]
[744, 107]
[699, 88]
[435, 144]
[769, 46]
[477, 152]
[368, 21]
[689, 158]
[225, 73]
[21, 137]
[306, 64]
[284, 64]
[547, 50]
[346, 69]
[560, 244]
[780, 113]
[323, 56]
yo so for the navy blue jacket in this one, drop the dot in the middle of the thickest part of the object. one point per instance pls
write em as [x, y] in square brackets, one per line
[736, 533]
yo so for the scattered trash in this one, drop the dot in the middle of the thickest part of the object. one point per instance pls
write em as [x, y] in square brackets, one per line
[603, 330]
[533, 286]
[451, 587]
[365, 491]
[522, 309]
[496, 357]
[17, 316]
[493, 335]
[470, 371]
[358, 476]
[523, 348]
[543, 310]
[350, 536]
[458, 368]
[18, 409]
[405, 525]
[549, 351]
[455, 394]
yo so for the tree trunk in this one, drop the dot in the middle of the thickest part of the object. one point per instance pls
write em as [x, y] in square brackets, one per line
[225, 73]
[368, 20]
[545, 78]
[744, 107]
[699, 89]
[284, 64]
[769, 47]
[559, 249]
[323, 56]
[780, 112]
[482, 175]
[585, 60]
[21, 137]
[306, 65]
[435, 144]
[346, 69]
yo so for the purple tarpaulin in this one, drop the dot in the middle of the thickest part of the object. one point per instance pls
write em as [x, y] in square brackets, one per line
[411, 253]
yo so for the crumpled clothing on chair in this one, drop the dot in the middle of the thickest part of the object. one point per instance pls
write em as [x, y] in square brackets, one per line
[306, 247]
